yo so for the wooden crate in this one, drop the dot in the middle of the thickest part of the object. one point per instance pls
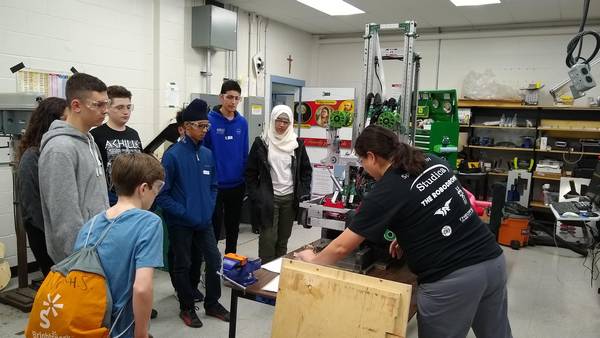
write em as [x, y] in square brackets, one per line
[318, 301]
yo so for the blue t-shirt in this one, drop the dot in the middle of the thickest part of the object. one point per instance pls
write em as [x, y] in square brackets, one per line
[134, 241]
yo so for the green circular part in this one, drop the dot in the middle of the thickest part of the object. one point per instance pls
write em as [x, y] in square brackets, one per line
[389, 235]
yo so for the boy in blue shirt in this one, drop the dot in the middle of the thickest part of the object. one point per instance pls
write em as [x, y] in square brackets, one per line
[228, 140]
[188, 202]
[132, 247]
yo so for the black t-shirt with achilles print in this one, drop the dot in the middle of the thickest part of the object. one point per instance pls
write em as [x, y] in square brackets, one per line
[431, 217]
[113, 143]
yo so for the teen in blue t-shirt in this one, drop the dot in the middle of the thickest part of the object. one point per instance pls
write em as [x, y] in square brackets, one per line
[133, 245]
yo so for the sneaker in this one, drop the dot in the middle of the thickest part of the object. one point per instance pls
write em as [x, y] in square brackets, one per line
[190, 318]
[198, 296]
[153, 314]
[218, 311]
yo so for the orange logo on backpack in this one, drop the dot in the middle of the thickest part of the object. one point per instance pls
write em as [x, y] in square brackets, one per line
[74, 305]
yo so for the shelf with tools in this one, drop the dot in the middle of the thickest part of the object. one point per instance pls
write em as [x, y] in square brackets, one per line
[499, 148]
[501, 135]
[546, 178]
[568, 152]
[501, 127]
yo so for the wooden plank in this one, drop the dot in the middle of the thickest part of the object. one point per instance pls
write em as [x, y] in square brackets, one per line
[464, 103]
[319, 301]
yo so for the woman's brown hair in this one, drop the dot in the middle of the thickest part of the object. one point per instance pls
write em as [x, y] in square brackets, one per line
[47, 111]
[384, 143]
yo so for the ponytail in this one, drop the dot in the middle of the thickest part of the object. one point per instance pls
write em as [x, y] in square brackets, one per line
[408, 159]
[384, 143]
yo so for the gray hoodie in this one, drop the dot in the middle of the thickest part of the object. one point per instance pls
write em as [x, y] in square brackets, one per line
[72, 185]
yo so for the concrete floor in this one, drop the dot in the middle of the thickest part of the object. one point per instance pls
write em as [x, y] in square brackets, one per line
[549, 296]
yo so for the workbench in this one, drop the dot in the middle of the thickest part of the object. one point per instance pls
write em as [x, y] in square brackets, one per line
[254, 292]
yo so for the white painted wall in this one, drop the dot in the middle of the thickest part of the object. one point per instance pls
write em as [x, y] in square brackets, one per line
[140, 44]
[516, 58]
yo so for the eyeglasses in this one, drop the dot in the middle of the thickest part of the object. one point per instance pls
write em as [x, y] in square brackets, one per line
[123, 107]
[232, 97]
[98, 105]
[199, 125]
[284, 122]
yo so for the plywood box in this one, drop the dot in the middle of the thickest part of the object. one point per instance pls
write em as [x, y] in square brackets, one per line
[318, 301]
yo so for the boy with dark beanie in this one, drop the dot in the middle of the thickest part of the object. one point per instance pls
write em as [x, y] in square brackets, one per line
[188, 201]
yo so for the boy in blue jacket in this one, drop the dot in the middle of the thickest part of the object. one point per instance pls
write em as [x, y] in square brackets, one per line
[188, 201]
[228, 139]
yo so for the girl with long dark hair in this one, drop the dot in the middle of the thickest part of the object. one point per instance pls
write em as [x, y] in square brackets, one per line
[50, 109]
[461, 269]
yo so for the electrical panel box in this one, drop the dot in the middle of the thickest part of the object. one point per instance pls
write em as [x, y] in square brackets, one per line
[210, 99]
[15, 110]
[214, 27]
[254, 111]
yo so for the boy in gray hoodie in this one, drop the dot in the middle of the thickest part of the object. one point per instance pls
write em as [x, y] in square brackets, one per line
[72, 181]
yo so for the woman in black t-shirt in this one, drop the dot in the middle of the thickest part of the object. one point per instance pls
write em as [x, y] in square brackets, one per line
[460, 268]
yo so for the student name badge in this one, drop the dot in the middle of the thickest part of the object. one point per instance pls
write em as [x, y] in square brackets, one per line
[206, 172]
[229, 138]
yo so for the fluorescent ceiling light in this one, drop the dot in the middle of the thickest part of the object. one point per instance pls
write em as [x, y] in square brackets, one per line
[332, 7]
[474, 2]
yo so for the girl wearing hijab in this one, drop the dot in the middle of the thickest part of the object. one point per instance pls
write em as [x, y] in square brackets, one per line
[278, 177]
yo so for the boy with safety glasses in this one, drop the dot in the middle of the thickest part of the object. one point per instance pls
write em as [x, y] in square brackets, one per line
[188, 201]
[114, 137]
[71, 175]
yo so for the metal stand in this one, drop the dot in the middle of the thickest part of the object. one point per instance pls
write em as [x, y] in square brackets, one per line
[22, 297]
[409, 80]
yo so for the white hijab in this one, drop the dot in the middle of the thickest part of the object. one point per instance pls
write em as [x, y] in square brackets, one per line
[285, 142]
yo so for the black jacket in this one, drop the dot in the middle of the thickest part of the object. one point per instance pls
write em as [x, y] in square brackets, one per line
[260, 186]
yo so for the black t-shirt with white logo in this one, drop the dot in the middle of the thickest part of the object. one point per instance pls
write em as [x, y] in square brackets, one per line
[112, 143]
[431, 217]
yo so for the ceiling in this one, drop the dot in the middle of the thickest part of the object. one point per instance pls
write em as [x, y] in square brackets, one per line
[427, 13]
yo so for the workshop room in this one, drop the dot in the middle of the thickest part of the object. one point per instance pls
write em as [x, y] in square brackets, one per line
[300, 168]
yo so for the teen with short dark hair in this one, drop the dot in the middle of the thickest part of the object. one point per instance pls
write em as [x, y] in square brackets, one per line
[228, 140]
[114, 137]
[132, 247]
[72, 182]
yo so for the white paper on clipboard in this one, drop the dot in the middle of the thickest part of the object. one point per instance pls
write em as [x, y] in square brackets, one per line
[321, 180]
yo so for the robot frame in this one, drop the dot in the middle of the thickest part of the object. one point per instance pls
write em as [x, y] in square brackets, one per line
[427, 120]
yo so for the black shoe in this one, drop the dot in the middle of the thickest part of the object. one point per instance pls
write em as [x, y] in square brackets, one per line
[218, 311]
[153, 314]
[190, 318]
[198, 296]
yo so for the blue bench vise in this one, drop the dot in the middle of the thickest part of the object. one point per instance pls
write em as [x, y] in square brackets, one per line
[240, 269]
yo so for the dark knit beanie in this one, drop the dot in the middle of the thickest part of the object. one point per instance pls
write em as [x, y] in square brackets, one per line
[197, 110]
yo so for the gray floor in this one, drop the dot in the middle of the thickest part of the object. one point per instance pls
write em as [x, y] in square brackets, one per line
[549, 296]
